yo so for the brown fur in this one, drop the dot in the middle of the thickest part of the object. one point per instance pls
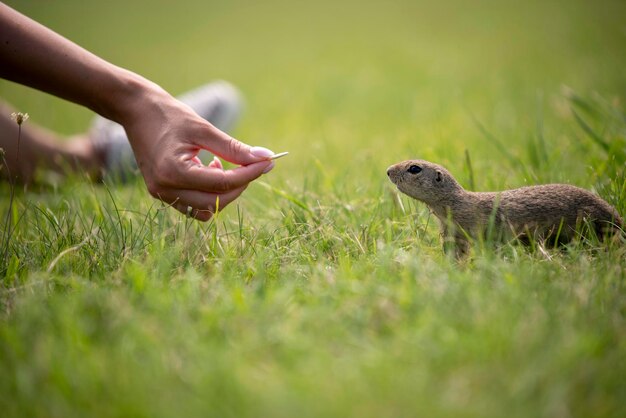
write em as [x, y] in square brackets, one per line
[550, 211]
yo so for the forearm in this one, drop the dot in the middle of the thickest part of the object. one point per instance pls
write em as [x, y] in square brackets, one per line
[33, 55]
[166, 135]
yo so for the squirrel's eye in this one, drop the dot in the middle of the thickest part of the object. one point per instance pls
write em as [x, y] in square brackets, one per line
[414, 169]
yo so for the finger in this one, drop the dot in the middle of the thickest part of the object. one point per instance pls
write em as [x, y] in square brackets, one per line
[230, 149]
[216, 163]
[200, 205]
[216, 180]
[190, 212]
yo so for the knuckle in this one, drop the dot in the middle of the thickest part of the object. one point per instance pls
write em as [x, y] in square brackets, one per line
[235, 147]
[222, 183]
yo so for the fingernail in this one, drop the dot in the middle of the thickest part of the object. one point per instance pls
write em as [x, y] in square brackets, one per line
[261, 152]
[269, 168]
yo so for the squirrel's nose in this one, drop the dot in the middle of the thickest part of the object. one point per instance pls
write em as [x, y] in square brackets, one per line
[389, 172]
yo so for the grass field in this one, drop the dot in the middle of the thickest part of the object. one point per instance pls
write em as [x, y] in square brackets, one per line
[322, 292]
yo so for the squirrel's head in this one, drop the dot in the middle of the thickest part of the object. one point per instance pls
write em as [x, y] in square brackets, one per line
[423, 180]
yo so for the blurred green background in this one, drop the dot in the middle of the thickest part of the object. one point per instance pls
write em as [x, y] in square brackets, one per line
[332, 78]
[324, 293]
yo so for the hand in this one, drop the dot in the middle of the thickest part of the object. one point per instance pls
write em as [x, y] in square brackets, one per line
[167, 136]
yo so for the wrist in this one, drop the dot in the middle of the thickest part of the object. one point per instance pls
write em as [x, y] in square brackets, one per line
[127, 97]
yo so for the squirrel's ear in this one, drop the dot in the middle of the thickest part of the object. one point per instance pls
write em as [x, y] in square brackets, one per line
[439, 176]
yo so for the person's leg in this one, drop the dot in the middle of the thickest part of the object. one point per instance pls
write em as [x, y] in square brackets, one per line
[40, 148]
[105, 148]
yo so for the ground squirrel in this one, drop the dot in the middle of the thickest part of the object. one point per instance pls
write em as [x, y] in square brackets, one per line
[552, 212]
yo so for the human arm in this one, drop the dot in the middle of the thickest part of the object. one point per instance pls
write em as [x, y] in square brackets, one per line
[165, 134]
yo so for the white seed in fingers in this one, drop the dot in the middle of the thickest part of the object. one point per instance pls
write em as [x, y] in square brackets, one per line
[279, 155]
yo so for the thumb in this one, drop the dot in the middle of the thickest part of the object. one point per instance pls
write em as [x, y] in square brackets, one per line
[234, 151]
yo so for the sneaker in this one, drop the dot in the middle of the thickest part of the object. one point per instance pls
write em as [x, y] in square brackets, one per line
[218, 102]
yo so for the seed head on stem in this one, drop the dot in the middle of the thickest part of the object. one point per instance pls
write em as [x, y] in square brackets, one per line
[19, 117]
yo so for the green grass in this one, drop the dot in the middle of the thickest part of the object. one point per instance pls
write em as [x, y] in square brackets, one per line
[322, 292]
